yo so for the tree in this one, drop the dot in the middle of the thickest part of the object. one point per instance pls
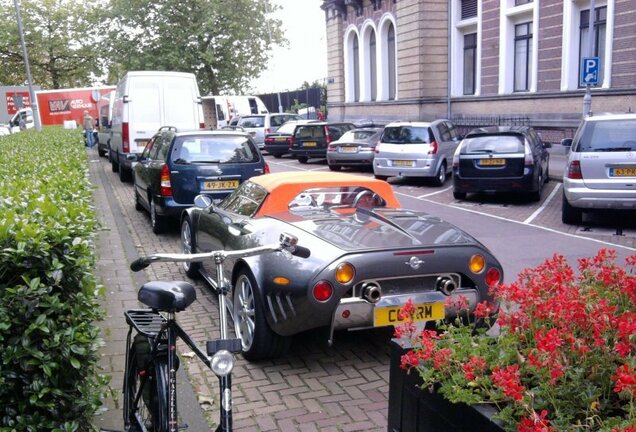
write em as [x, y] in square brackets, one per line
[223, 42]
[60, 42]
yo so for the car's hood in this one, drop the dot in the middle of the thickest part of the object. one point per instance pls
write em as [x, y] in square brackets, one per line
[362, 229]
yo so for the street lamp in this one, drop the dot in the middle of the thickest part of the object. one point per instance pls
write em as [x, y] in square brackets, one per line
[34, 101]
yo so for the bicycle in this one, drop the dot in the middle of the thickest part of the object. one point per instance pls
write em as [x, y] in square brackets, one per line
[150, 381]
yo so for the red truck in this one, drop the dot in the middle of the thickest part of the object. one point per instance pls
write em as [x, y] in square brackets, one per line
[58, 106]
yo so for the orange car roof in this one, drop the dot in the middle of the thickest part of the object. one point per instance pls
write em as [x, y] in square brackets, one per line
[284, 187]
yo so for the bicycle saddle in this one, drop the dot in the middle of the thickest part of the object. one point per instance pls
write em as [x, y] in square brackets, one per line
[172, 296]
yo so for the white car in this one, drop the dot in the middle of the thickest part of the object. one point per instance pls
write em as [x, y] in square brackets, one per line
[259, 125]
[4, 130]
[600, 172]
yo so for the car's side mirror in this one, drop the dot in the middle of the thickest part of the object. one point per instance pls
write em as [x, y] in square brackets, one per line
[204, 202]
[547, 145]
[567, 142]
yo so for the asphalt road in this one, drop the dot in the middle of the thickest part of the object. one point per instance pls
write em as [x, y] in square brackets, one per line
[344, 387]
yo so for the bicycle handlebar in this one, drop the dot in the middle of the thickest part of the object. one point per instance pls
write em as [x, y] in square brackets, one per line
[287, 242]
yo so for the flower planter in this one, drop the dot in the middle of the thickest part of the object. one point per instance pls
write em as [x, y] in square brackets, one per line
[412, 409]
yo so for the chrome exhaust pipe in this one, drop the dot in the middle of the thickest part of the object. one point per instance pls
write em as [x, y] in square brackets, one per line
[371, 293]
[445, 285]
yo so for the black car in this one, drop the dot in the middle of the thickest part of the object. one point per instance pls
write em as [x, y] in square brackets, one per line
[311, 140]
[177, 166]
[501, 159]
[278, 143]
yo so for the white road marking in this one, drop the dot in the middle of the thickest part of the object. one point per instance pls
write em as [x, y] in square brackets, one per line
[522, 223]
[545, 204]
[435, 193]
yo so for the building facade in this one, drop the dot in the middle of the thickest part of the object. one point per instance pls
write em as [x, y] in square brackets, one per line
[480, 62]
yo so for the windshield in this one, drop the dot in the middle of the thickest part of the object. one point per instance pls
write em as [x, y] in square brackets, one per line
[252, 121]
[405, 135]
[493, 144]
[610, 135]
[214, 149]
[327, 198]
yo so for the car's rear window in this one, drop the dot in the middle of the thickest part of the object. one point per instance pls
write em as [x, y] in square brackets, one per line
[357, 135]
[405, 135]
[287, 128]
[277, 120]
[214, 149]
[310, 131]
[493, 144]
[607, 136]
[252, 121]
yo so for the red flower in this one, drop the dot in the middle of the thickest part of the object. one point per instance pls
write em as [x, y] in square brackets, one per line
[507, 379]
[535, 423]
[625, 378]
[475, 365]
[484, 310]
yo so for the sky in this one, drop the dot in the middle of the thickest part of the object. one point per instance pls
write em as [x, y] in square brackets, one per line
[305, 58]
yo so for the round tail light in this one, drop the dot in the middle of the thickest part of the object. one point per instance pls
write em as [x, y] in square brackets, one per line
[477, 264]
[493, 276]
[345, 273]
[322, 291]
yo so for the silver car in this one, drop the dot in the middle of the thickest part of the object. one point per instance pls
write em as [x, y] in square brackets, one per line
[601, 167]
[416, 149]
[354, 148]
[259, 125]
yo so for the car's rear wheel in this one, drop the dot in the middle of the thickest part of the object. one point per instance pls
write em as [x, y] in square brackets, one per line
[258, 341]
[138, 206]
[114, 166]
[459, 195]
[157, 221]
[303, 159]
[536, 196]
[440, 178]
[124, 174]
[335, 167]
[277, 155]
[381, 177]
[570, 215]
[188, 246]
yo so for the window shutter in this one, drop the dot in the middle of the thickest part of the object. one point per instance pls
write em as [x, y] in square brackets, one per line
[469, 9]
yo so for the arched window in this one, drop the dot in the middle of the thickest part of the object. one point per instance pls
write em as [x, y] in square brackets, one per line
[391, 61]
[373, 75]
[356, 69]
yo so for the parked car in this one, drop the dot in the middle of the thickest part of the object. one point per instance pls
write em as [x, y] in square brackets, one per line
[600, 172]
[145, 101]
[278, 143]
[259, 125]
[311, 140]
[354, 148]
[501, 159]
[367, 257]
[416, 149]
[176, 166]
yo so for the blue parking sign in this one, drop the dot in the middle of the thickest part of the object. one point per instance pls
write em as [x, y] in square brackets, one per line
[589, 71]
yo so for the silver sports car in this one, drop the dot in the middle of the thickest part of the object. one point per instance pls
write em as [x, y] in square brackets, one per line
[367, 258]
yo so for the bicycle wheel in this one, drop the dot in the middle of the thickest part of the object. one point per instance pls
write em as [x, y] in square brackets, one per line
[151, 411]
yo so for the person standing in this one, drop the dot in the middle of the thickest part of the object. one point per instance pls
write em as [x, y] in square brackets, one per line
[88, 125]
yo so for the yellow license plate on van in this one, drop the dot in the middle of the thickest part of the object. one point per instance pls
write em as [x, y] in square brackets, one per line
[220, 184]
[491, 162]
[310, 144]
[423, 312]
[623, 172]
[403, 163]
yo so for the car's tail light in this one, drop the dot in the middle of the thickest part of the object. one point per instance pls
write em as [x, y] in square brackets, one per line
[165, 188]
[125, 138]
[266, 169]
[322, 291]
[345, 273]
[269, 140]
[331, 148]
[477, 263]
[528, 159]
[433, 147]
[456, 157]
[574, 170]
[290, 141]
[327, 136]
[201, 125]
[493, 276]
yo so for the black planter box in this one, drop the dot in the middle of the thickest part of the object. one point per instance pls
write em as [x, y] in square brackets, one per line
[412, 409]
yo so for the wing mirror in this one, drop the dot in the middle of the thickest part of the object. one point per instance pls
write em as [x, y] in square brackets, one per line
[204, 202]
[567, 142]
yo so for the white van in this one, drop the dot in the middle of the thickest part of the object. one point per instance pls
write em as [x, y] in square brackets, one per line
[144, 102]
[219, 110]
[24, 116]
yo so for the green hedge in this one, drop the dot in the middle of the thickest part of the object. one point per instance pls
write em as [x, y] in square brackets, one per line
[49, 379]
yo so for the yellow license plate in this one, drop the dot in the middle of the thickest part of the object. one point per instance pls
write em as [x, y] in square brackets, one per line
[491, 162]
[423, 312]
[623, 172]
[310, 144]
[220, 184]
[348, 149]
[142, 143]
[402, 163]
[281, 139]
